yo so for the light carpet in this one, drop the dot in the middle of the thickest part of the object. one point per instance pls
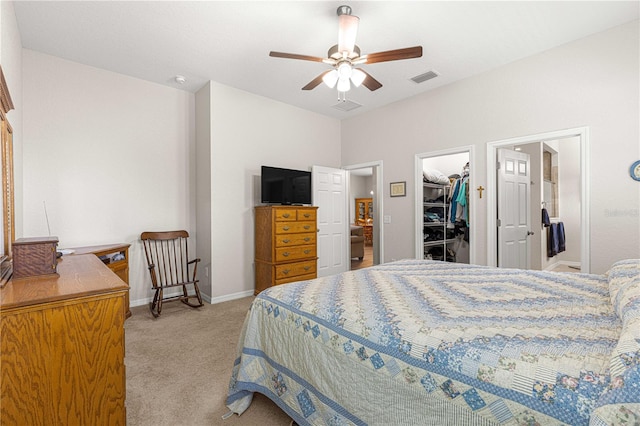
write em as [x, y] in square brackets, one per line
[179, 365]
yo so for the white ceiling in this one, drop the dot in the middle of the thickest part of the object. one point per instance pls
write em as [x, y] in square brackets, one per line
[229, 41]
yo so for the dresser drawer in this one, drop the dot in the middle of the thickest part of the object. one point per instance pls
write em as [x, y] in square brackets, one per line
[285, 214]
[307, 214]
[292, 253]
[294, 227]
[292, 270]
[288, 240]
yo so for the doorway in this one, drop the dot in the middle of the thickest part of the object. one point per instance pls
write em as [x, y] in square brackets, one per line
[365, 189]
[438, 235]
[571, 193]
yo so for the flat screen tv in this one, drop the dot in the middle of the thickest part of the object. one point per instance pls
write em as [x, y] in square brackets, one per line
[285, 186]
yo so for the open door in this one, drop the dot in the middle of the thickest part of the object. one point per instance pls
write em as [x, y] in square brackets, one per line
[514, 215]
[330, 196]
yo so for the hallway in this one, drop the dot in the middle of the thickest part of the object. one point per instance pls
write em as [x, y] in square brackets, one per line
[366, 261]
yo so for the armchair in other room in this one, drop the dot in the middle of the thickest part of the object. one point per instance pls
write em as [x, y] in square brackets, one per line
[357, 242]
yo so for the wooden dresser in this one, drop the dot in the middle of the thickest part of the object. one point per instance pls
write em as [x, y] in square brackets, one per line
[62, 347]
[286, 249]
[116, 257]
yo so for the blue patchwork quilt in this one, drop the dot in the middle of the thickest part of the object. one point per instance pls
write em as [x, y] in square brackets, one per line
[433, 343]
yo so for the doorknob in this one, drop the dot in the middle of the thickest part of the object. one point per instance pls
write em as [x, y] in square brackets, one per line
[530, 232]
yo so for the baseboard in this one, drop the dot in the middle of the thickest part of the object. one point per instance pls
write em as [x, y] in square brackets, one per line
[562, 263]
[229, 297]
[205, 297]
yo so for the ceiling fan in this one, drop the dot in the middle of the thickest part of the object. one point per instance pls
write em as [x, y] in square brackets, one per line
[345, 56]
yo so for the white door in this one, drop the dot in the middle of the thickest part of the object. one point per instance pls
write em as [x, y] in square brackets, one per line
[514, 215]
[330, 196]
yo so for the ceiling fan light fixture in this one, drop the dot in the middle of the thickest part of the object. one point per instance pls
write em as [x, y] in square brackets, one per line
[330, 78]
[344, 70]
[343, 85]
[345, 55]
[357, 77]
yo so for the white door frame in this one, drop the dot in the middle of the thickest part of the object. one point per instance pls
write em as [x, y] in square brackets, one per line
[492, 197]
[419, 242]
[378, 206]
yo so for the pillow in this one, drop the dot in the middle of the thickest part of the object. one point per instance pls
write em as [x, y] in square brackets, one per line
[435, 176]
[625, 273]
[620, 404]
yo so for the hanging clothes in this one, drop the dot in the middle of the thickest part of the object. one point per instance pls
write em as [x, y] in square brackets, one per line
[461, 200]
[561, 238]
[454, 203]
[552, 240]
[555, 239]
[545, 218]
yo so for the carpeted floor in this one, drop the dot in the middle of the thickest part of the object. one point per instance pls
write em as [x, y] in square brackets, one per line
[179, 365]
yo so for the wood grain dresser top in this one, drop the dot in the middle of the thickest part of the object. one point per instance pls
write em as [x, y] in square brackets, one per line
[78, 276]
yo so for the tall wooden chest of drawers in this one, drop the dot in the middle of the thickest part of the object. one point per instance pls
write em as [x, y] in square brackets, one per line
[286, 246]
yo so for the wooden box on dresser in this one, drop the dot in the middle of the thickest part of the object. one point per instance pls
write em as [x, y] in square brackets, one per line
[286, 250]
[62, 347]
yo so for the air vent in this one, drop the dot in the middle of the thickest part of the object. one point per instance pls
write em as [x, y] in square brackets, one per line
[424, 77]
[346, 105]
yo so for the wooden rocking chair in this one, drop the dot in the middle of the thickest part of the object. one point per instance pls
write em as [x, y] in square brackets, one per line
[169, 264]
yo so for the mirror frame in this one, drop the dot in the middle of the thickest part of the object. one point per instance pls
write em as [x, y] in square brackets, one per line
[8, 218]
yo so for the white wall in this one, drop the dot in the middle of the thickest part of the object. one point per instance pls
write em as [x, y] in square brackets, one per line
[112, 156]
[248, 131]
[590, 82]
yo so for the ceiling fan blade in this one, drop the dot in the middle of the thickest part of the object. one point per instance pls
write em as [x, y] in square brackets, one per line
[347, 31]
[316, 81]
[393, 55]
[295, 56]
[369, 82]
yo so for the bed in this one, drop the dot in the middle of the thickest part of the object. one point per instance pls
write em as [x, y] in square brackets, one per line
[418, 342]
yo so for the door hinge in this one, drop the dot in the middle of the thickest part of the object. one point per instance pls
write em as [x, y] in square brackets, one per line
[499, 222]
[497, 165]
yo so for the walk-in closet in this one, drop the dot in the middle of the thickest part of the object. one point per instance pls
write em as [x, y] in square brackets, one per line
[446, 208]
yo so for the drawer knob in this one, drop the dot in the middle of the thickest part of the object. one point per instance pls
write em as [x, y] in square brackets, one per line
[307, 227]
[307, 239]
[285, 228]
[307, 215]
[285, 254]
[287, 241]
[286, 215]
[306, 268]
[285, 272]
[307, 251]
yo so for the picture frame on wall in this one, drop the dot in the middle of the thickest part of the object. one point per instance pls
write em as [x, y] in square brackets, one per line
[398, 189]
